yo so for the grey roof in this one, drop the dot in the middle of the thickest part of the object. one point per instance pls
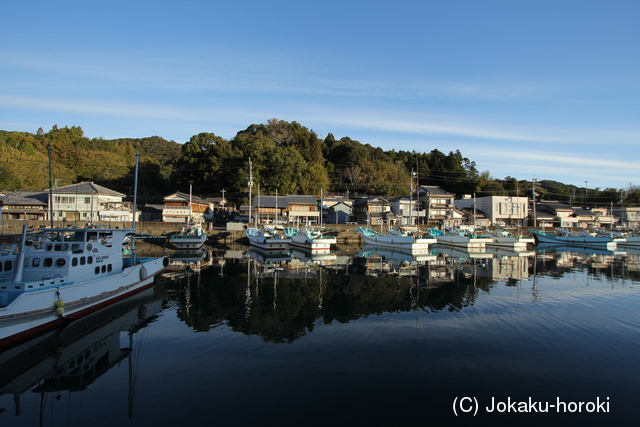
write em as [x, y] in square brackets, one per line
[583, 212]
[434, 190]
[87, 187]
[21, 198]
[183, 196]
[372, 200]
[556, 205]
[284, 201]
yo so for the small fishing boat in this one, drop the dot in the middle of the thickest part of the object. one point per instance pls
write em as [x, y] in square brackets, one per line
[399, 238]
[192, 236]
[310, 239]
[267, 239]
[64, 274]
[574, 238]
[460, 238]
[504, 238]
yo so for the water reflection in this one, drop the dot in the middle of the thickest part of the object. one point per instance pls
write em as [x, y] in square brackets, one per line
[69, 360]
[284, 296]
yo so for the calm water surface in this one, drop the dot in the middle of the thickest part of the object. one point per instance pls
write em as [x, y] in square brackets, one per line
[350, 340]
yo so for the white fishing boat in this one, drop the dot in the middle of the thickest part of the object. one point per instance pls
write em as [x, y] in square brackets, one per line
[192, 236]
[400, 239]
[310, 238]
[460, 238]
[504, 238]
[267, 239]
[66, 273]
[574, 238]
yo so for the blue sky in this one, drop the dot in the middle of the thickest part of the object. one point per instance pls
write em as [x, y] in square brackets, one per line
[528, 89]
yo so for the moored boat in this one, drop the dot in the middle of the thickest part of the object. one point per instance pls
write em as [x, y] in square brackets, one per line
[267, 239]
[65, 274]
[505, 238]
[192, 236]
[310, 238]
[579, 238]
[396, 239]
[460, 238]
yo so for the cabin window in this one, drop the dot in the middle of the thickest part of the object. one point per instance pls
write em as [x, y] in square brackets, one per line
[104, 268]
[97, 270]
[61, 247]
[83, 260]
[92, 236]
[8, 266]
[48, 262]
[61, 262]
[74, 262]
[90, 260]
[49, 246]
[35, 262]
[109, 268]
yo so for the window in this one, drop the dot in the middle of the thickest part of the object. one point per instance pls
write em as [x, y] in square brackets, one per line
[48, 262]
[35, 262]
[97, 270]
[74, 262]
[83, 260]
[90, 260]
[87, 200]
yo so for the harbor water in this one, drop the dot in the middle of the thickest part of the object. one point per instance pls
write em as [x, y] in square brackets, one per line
[365, 337]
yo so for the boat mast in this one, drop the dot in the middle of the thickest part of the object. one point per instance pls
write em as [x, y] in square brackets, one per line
[134, 210]
[50, 186]
[250, 185]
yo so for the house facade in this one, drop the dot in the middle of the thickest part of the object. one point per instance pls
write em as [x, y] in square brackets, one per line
[435, 206]
[89, 202]
[507, 210]
[181, 207]
[286, 209]
[339, 213]
[25, 205]
[371, 210]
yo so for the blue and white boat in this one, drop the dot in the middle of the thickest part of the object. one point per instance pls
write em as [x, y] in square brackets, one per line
[268, 240]
[399, 239]
[574, 238]
[310, 239]
[65, 274]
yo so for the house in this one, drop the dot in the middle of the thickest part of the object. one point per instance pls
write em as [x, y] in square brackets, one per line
[340, 213]
[24, 205]
[435, 205]
[371, 210]
[629, 216]
[89, 202]
[294, 209]
[509, 210]
[181, 207]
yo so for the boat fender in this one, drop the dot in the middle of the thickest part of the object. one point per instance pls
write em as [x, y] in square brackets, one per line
[143, 273]
[59, 304]
[165, 261]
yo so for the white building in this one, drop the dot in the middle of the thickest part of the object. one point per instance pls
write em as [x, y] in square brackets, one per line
[507, 209]
[90, 203]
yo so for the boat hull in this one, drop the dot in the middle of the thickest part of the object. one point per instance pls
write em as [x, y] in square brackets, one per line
[407, 243]
[463, 241]
[604, 242]
[34, 313]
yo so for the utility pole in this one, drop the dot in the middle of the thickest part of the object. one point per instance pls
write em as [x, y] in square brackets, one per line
[533, 198]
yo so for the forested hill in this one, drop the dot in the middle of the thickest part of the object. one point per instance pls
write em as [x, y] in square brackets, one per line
[281, 156]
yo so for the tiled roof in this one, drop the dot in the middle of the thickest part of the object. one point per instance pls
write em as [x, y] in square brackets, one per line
[86, 187]
[18, 198]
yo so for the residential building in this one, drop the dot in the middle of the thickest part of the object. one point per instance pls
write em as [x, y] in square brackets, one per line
[340, 213]
[371, 210]
[25, 205]
[294, 209]
[507, 210]
[435, 206]
[628, 216]
[89, 202]
[181, 207]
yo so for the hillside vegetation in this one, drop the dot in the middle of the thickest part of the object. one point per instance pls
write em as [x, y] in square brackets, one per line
[281, 156]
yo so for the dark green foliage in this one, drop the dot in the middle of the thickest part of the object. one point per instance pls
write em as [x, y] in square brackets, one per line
[286, 158]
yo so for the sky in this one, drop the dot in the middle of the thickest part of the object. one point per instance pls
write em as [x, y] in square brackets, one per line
[541, 89]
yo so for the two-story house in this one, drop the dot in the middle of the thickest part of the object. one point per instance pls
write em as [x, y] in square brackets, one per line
[181, 207]
[89, 202]
[435, 206]
[294, 209]
[371, 210]
[509, 210]
[25, 205]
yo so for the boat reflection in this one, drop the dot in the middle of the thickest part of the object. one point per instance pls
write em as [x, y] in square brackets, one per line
[72, 358]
